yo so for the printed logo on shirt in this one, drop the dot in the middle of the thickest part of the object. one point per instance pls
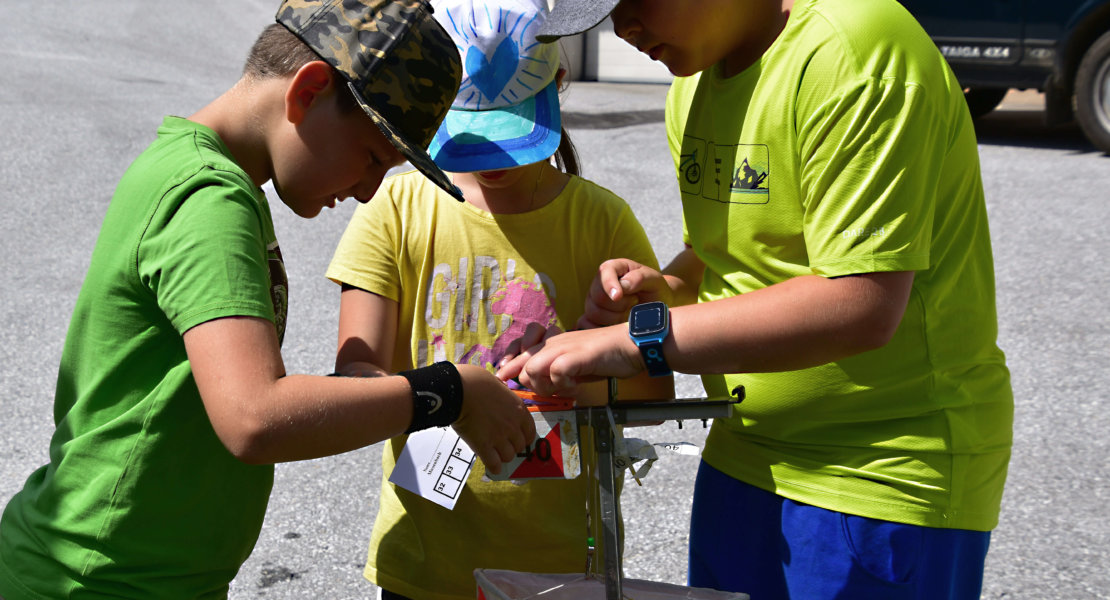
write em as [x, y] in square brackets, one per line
[730, 174]
[481, 300]
[279, 287]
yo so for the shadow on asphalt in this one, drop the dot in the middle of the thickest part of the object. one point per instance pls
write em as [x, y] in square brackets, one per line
[1023, 128]
[1026, 128]
[611, 120]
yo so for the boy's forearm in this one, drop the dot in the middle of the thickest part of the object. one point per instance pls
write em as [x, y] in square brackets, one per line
[800, 323]
[796, 324]
[264, 416]
[302, 417]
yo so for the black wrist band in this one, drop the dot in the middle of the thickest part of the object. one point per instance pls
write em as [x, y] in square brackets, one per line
[437, 395]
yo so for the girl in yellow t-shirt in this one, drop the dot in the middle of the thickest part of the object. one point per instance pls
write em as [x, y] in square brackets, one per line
[426, 279]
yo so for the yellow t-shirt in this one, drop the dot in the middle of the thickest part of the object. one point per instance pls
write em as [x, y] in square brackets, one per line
[468, 282]
[848, 149]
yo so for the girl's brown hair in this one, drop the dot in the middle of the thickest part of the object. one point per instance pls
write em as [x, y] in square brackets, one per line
[566, 157]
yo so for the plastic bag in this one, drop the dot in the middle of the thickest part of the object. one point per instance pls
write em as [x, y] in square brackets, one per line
[494, 584]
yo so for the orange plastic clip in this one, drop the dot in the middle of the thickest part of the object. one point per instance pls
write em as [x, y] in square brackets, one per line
[537, 403]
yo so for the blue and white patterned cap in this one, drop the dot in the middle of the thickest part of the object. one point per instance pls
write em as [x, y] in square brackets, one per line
[507, 110]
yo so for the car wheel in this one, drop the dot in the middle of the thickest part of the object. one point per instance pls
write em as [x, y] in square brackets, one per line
[981, 101]
[1092, 93]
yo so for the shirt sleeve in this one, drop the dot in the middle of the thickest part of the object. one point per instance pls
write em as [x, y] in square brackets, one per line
[203, 255]
[630, 240]
[677, 106]
[368, 254]
[870, 157]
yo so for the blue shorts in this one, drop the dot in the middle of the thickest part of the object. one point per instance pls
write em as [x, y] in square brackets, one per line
[744, 539]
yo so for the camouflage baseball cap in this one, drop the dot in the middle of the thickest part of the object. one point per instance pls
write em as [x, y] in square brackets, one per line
[401, 65]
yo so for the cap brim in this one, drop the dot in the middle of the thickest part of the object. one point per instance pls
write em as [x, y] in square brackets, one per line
[570, 17]
[416, 155]
[501, 138]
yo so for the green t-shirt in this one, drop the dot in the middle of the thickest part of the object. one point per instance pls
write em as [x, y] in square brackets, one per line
[140, 498]
[848, 149]
[468, 283]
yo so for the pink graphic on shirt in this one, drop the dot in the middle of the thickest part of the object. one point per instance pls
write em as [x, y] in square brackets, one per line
[524, 302]
[477, 352]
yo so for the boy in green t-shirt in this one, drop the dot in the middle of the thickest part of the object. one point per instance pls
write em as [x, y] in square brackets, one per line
[838, 266]
[172, 402]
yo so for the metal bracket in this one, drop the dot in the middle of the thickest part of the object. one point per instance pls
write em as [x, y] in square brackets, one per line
[601, 419]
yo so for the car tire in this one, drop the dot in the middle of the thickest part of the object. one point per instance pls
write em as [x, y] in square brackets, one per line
[1092, 93]
[981, 101]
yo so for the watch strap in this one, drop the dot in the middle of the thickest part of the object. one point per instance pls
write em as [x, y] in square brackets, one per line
[656, 364]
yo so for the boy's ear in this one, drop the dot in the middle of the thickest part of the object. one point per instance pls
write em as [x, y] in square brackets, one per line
[311, 82]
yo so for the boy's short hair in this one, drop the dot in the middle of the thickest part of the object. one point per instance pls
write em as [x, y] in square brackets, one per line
[279, 53]
[399, 64]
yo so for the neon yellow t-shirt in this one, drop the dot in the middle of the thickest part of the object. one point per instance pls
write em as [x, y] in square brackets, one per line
[848, 149]
[468, 282]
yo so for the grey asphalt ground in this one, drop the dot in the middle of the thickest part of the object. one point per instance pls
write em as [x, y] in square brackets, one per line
[86, 84]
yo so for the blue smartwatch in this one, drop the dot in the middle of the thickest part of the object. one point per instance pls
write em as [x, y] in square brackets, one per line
[648, 325]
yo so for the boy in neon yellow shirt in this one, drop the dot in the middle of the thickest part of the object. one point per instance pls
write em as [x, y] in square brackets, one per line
[835, 221]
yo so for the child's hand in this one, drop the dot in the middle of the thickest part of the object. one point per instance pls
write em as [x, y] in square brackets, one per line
[494, 421]
[534, 335]
[621, 284]
[560, 363]
[528, 344]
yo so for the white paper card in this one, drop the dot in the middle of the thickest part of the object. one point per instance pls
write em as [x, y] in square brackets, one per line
[434, 464]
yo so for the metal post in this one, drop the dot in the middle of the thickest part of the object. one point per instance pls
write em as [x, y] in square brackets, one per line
[602, 419]
[610, 510]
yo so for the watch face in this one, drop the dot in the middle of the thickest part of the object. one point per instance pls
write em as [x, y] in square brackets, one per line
[647, 319]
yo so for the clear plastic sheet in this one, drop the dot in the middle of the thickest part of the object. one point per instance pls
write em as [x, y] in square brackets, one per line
[494, 584]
